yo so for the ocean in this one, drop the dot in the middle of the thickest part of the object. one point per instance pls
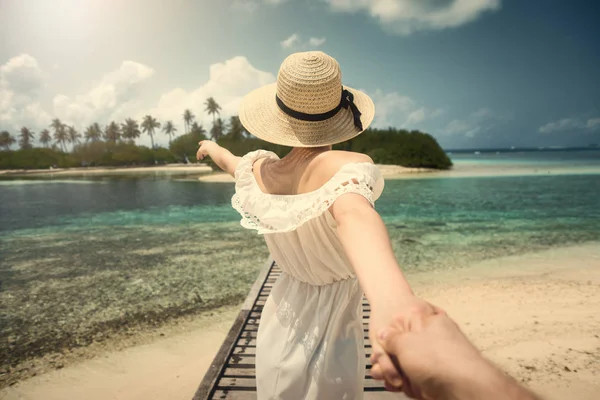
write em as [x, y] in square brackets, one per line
[84, 258]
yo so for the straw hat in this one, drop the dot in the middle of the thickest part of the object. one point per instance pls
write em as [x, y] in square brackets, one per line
[308, 106]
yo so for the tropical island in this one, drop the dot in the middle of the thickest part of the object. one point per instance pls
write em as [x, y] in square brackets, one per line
[64, 146]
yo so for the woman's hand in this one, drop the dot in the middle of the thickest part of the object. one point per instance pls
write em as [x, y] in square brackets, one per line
[221, 156]
[383, 315]
[206, 148]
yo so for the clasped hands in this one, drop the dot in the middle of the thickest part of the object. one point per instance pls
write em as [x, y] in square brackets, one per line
[417, 349]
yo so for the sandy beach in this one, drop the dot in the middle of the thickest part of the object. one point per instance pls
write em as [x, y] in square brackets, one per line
[204, 173]
[388, 171]
[169, 168]
[535, 315]
[465, 170]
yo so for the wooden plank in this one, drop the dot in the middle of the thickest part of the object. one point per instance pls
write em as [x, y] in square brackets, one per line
[219, 363]
[236, 377]
[244, 350]
[232, 395]
[246, 382]
[214, 371]
[251, 342]
[239, 372]
[232, 372]
[258, 284]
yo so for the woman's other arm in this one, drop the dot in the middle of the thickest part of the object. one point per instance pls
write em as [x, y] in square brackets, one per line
[365, 239]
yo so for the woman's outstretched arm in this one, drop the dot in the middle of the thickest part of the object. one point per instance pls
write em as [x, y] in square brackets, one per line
[220, 155]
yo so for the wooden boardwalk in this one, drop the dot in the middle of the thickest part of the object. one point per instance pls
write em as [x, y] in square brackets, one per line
[232, 375]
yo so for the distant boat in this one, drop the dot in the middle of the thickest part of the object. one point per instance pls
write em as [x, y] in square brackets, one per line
[512, 147]
[477, 152]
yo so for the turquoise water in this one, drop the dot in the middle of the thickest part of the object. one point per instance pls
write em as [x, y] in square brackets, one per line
[81, 259]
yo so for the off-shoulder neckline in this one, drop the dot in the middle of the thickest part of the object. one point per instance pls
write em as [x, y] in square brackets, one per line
[270, 154]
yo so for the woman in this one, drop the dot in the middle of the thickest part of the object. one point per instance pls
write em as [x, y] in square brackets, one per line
[315, 208]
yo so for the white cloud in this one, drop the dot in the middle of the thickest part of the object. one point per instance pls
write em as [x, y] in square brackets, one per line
[570, 124]
[116, 96]
[291, 41]
[295, 42]
[246, 6]
[316, 42]
[564, 124]
[22, 75]
[593, 123]
[250, 6]
[21, 80]
[438, 112]
[407, 16]
[390, 108]
[416, 116]
[108, 99]
[394, 109]
[457, 126]
[479, 121]
[228, 83]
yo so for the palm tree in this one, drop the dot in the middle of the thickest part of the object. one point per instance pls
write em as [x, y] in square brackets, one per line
[60, 134]
[197, 129]
[236, 129]
[26, 136]
[169, 129]
[45, 137]
[218, 129]
[6, 140]
[112, 133]
[212, 108]
[149, 124]
[73, 136]
[93, 133]
[188, 118]
[130, 130]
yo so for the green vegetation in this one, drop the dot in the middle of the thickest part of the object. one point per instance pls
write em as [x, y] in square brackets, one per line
[400, 147]
[114, 145]
[391, 146]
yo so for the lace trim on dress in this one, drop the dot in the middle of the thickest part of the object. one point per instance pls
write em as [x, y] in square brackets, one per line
[270, 213]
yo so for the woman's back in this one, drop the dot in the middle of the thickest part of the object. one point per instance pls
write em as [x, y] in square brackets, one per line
[312, 320]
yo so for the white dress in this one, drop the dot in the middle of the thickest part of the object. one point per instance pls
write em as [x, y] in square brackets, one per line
[310, 337]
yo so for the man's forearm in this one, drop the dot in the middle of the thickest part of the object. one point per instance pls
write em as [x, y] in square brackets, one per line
[486, 381]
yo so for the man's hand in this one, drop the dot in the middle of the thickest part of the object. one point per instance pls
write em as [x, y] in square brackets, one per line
[437, 361]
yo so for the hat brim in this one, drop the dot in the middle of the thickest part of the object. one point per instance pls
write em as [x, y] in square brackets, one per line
[261, 117]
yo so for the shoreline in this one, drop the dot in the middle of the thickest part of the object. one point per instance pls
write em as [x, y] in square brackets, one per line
[204, 173]
[208, 175]
[532, 314]
[82, 171]
[393, 172]
[388, 172]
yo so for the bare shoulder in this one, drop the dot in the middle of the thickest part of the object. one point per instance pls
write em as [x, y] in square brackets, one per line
[340, 157]
[327, 164]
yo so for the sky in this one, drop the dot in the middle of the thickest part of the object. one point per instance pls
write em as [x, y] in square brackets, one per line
[473, 73]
